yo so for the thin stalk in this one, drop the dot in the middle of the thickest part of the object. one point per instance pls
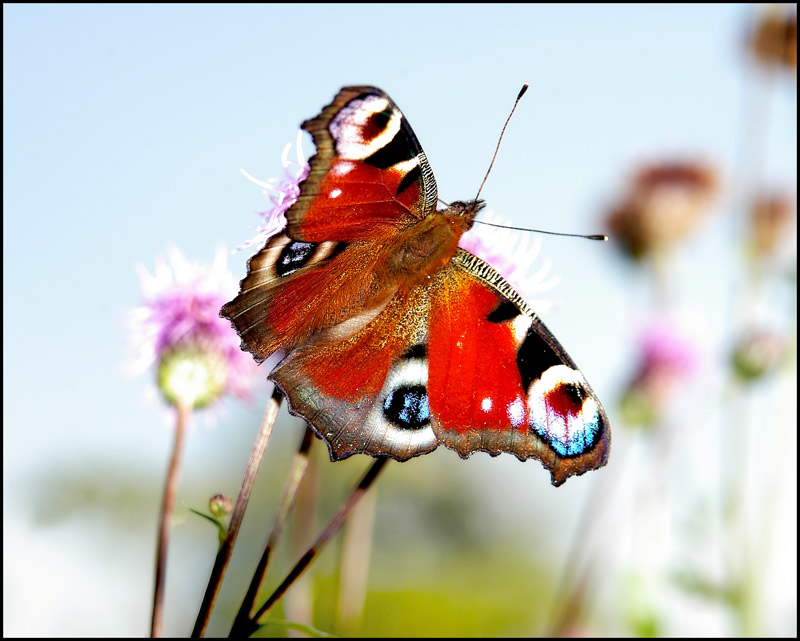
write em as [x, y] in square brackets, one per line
[740, 478]
[354, 564]
[576, 574]
[167, 508]
[288, 496]
[306, 560]
[226, 549]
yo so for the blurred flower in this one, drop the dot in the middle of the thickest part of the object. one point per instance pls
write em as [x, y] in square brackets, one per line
[666, 359]
[282, 192]
[758, 353]
[771, 217]
[512, 254]
[773, 41]
[179, 330]
[663, 204]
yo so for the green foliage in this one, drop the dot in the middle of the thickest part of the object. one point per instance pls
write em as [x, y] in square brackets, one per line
[285, 626]
[468, 592]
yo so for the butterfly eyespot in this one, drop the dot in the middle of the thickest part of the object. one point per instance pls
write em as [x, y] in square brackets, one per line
[563, 413]
[377, 122]
[571, 438]
[365, 129]
[407, 407]
[293, 257]
[566, 399]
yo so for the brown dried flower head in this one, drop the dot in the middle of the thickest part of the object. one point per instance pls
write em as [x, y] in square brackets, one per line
[771, 218]
[773, 40]
[663, 204]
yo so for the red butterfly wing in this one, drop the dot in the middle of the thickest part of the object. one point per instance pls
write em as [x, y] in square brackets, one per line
[369, 181]
[294, 289]
[500, 382]
[362, 386]
[460, 362]
[369, 175]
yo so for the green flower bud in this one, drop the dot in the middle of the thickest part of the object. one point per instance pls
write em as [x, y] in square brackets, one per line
[220, 506]
[192, 375]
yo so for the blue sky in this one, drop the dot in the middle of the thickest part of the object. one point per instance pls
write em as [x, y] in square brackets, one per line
[125, 127]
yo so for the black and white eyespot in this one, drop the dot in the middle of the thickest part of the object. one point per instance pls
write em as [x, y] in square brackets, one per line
[364, 126]
[297, 254]
[407, 407]
[402, 408]
[294, 256]
[563, 412]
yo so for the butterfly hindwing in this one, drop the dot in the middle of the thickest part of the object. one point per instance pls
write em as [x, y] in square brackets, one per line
[363, 389]
[499, 380]
[461, 362]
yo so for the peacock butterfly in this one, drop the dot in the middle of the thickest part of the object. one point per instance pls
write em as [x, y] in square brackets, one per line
[395, 339]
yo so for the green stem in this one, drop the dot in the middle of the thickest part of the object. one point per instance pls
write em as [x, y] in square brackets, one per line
[288, 496]
[226, 549]
[331, 529]
[167, 508]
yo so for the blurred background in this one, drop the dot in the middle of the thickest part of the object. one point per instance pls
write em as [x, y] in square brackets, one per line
[671, 128]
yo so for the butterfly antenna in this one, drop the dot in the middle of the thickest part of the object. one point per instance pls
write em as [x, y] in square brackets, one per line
[491, 164]
[496, 149]
[542, 231]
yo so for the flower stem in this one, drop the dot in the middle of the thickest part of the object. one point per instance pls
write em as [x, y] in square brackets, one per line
[225, 550]
[288, 496]
[354, 564]
[331, 529]
[167, 507]
[571, 592]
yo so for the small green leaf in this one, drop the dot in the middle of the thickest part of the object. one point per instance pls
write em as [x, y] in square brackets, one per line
[220, 526]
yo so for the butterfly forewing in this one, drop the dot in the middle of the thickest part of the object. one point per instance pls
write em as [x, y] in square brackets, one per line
[369, 174]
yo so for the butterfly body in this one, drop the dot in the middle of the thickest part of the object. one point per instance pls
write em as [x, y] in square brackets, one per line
[395, 339]
[428, 245]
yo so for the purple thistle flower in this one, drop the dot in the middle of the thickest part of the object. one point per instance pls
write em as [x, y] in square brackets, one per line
[179, 330]
[666, 359]
[282, 192]
[664, 349]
